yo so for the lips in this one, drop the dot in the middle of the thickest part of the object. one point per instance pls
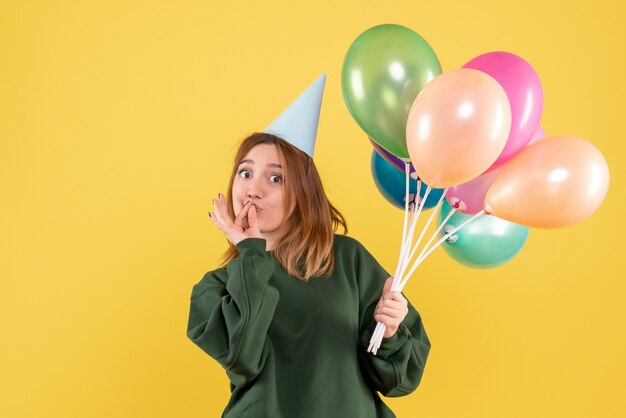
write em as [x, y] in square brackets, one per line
[258, 208]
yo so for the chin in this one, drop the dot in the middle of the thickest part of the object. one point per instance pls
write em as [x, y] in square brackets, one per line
[265, 230]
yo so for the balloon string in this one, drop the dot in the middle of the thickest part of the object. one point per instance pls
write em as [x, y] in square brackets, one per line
[406, 212]
[409, 237]
[445, 237]
[400, 279]
[412, 219]
[376, 339]
[409, 243]
[378, 334]
[413, 205]
[380, 326]
[447, 218]
[411, 233]
[419, 240]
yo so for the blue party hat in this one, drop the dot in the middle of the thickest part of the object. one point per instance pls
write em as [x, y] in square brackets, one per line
[298, 123]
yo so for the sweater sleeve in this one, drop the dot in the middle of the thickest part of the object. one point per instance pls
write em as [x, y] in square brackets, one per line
[397, 368]
[229, 317]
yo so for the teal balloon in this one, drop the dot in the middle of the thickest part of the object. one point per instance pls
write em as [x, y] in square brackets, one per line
[485, 242]
[391, 183]
[383, 71]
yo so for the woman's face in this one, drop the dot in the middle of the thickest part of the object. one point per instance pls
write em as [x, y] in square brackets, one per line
[260, 178]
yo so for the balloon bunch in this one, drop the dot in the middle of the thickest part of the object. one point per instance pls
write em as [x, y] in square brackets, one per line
[471, 137]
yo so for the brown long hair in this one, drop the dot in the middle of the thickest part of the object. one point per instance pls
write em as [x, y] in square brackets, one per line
[307, 249]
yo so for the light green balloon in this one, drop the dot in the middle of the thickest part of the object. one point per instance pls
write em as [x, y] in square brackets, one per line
[383, 72]
[483, 243]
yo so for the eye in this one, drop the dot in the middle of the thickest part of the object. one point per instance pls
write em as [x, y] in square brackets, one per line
[276, 179]
[246, 174]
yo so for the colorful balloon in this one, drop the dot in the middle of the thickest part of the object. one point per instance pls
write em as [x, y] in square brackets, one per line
[391, 183]
[469, 197]
[552, 183]
[383, 71]
[457, 127]
[539, 134]
[524, 92]
[483, 243]
[396, 162]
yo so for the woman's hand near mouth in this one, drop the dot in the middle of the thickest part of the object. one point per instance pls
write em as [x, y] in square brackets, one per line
[254, 204]
[243, 226]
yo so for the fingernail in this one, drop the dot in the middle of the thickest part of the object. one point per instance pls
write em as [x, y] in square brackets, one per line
[210, 216]
[219, 195]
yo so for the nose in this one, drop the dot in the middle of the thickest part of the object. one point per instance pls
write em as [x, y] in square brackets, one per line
[255, 189]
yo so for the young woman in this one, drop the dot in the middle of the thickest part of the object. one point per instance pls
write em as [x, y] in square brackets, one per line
[290, 313]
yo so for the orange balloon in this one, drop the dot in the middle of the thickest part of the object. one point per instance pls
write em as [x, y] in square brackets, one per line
[551, 183]
[457, 127]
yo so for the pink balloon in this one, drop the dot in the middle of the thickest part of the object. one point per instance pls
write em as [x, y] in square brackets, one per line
[469, 197]
[539, 134]
[523, 89]
[457, 127]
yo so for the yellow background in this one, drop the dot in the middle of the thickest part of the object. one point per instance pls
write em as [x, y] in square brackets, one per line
[118, 121]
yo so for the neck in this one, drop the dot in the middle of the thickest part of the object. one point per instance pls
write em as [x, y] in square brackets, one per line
[272, 239]
[271, 246]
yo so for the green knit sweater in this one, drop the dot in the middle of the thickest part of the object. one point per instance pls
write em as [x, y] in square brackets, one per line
[299, 349]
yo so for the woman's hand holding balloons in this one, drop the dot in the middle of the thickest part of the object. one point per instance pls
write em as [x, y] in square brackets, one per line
[243, 226]
[391, 310]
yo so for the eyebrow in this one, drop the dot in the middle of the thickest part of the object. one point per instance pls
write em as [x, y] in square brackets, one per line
[252, 162]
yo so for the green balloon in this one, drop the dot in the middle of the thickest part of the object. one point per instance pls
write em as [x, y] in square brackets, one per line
[483, 243]
[383, 72]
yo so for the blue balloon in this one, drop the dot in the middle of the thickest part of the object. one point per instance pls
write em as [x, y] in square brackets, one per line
[391, 183]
